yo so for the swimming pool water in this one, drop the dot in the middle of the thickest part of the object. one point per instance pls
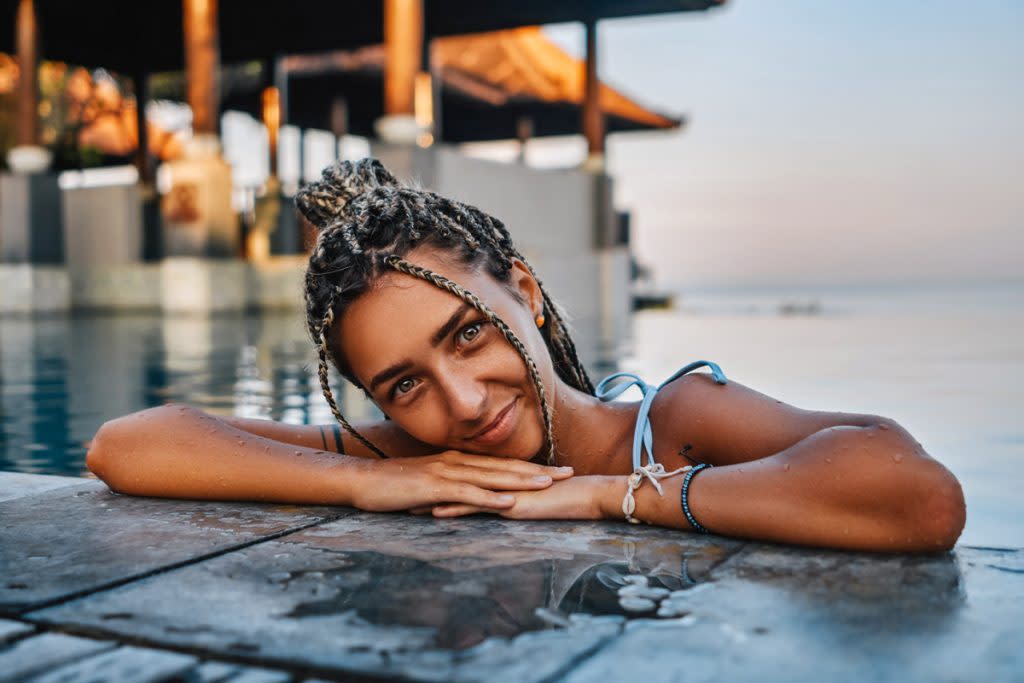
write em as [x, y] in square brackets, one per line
[954, 378]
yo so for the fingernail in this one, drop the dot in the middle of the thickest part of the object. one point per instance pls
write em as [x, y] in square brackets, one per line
[506, 499]
[542, 479]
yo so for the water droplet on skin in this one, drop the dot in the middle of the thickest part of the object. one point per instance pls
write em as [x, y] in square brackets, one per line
[897, 457]
[786, 467]
[883, 427]
[321, 453]
[828, 460]
[871, 435]
[846, 532]
[298, 452]
[241, 443]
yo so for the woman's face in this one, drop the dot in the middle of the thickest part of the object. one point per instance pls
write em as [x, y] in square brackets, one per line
[439, 369]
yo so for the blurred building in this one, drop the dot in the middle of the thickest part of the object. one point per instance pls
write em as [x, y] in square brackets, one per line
[204, 224]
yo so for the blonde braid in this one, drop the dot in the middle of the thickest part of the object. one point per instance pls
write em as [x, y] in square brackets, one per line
[441, 282]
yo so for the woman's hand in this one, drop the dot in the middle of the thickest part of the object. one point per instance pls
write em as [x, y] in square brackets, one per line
[590, 497]
[451, 477]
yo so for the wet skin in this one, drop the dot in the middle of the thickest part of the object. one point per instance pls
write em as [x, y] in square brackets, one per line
[460, 397]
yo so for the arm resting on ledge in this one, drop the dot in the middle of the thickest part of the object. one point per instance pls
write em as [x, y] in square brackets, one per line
[858, 488]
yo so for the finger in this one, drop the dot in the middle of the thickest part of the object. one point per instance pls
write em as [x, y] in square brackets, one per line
[499, 480]
[474, 495]
[458, 510]
[513, 465]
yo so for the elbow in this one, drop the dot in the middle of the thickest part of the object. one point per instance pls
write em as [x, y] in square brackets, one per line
[101, 458]
[941, 512]
[934, 511]
[118, 452]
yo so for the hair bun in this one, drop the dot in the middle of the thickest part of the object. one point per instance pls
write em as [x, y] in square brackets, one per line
[323, 202]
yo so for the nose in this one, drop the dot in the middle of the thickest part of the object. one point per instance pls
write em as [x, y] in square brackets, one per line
[466, 396]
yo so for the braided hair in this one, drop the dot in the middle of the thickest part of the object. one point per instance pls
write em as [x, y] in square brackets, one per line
[367, 222]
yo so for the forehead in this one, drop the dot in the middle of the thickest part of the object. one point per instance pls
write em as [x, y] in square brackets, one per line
[396, 317]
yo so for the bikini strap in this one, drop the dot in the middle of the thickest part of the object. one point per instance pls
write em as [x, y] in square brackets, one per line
[643, 438]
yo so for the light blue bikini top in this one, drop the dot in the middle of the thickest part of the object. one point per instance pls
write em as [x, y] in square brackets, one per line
[643, 439]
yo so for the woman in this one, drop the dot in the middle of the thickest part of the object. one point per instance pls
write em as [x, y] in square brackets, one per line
[425, 304]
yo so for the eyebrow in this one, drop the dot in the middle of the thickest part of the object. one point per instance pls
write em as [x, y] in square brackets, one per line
[442, 332]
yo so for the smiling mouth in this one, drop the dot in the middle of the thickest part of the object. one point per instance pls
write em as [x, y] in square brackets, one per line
[500, 427]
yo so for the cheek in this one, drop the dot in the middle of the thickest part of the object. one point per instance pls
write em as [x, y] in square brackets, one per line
[426, 422]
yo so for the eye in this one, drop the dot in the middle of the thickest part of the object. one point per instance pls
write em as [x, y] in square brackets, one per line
[403, 386]
[470, 332]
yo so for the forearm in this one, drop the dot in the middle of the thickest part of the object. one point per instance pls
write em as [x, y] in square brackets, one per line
[863, 488]
[317, 437]
[179, 452]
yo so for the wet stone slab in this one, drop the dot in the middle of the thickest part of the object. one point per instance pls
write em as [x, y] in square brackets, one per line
[395, 595]
[74, 539]
[18, 485]
[53, 657]
[487, 599]
[243, 592]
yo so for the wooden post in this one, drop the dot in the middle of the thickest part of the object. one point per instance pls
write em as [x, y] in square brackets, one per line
[339, 116]
[28, 74]
[272, 120]
[524, 131]
[202, 64]
[403, 44]
[593, 118]
[142, 161]
[424, 104]
[403, 56]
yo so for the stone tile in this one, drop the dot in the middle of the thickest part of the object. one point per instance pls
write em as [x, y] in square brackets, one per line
[785, 614]
[63, 542]
[200, 286]
[12, 630]
[27, 289]
[39, 654]
[223, 672]
[135, 664]
[396, 595]
[18, 485]
[486, 599]
[277, 283]
[258, 675]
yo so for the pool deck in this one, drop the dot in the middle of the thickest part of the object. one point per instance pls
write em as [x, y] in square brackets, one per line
[93, 584]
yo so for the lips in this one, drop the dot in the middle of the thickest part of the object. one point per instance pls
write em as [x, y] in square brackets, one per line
[500, 428]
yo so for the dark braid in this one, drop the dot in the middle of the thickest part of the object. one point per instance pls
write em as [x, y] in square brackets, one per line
[367, 222]
[323, 351]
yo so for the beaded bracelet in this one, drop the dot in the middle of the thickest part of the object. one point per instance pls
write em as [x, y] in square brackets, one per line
[684, 494]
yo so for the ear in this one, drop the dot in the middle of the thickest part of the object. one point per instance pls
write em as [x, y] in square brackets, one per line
[525, 284]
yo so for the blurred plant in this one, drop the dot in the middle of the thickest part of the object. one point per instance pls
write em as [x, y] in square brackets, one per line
[86, 118]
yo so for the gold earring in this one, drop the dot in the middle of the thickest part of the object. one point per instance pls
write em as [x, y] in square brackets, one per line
[540, 320]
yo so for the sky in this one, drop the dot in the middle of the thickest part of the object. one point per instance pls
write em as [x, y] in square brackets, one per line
[828, 142]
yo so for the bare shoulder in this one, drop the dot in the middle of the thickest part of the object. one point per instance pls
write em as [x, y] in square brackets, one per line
[729, 423]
